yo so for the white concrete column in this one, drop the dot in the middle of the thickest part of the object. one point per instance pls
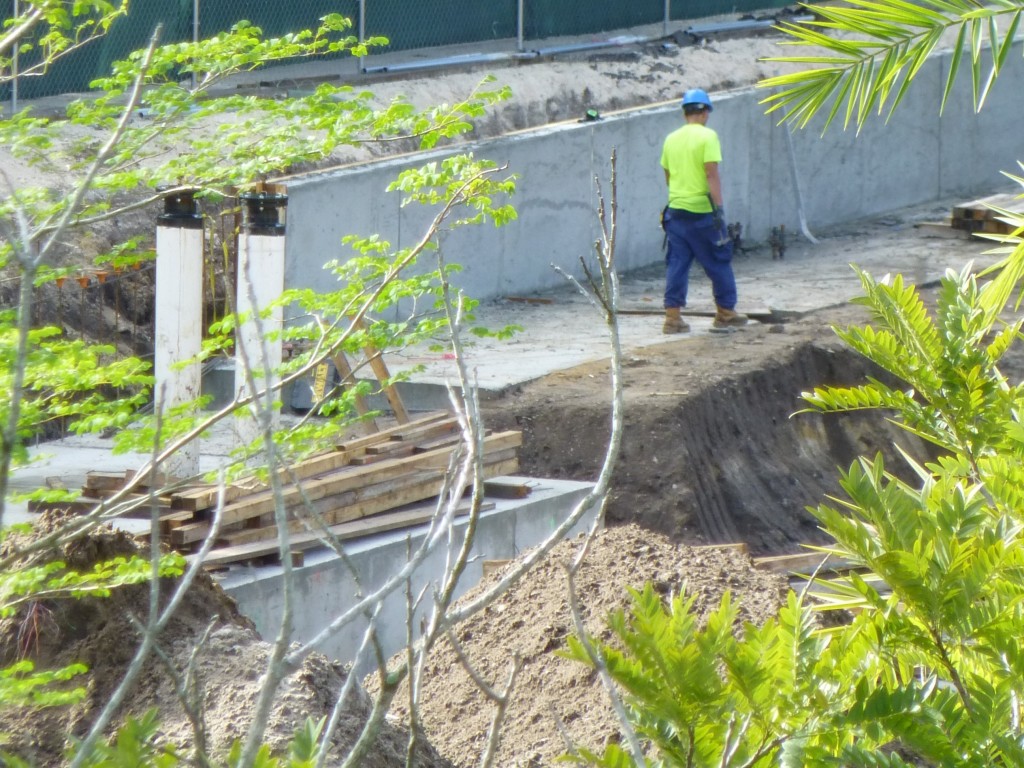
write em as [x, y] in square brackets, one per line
[179, 316]
[261, 249]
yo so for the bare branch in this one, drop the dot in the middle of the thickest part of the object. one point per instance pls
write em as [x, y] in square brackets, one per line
[598, 661]
[503, 700]
[15, 34]
[262, 409]
[347, 688]
[189, 690]
[31, 263]
[598, 495]
[104, 153]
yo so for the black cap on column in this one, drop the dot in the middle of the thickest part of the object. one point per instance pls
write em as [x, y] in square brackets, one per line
[263, 213]
[181, 210]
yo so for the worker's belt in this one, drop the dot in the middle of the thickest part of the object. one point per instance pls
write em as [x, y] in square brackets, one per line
[679, 213]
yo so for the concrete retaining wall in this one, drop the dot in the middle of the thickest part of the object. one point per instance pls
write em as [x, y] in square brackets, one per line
[916, 157]
[325, 587]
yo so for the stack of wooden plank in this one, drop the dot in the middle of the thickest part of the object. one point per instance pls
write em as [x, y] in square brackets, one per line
[365, 485]
[979, 217]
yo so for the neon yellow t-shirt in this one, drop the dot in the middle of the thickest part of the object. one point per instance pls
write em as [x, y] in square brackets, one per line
[683, 155]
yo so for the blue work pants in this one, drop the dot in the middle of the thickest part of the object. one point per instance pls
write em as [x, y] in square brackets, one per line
[694, 236]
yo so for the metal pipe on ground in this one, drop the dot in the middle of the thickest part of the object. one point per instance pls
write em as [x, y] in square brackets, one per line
[450, 61]
[700, 31]
[577, 47]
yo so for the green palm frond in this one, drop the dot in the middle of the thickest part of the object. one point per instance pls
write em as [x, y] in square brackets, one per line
[1009, 271]
[1003, 475]
[853, 592]
[899, 307]
[865, 397]
[884, 349]
[882, 514]
[872, 50]
[1002, 341]
[955, 395]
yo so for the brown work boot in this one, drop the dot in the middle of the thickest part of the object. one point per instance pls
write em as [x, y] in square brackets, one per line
[728, 318]
[673, 322]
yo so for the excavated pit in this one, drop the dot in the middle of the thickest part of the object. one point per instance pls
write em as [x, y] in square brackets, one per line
[739, 466]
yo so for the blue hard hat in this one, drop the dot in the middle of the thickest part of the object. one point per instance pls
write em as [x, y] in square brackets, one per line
[697, 96]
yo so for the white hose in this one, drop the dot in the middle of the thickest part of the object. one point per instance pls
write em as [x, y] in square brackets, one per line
[796, 187]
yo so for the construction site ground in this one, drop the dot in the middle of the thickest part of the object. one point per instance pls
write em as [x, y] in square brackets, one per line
[557, 364]
[712, 450]
[712, 454]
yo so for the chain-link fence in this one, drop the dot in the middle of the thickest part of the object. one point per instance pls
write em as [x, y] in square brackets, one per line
[514, 24]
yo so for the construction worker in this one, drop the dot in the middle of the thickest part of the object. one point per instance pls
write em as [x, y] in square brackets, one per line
[693, 220]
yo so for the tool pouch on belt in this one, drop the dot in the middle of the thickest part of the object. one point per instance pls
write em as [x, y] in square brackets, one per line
[664, 228]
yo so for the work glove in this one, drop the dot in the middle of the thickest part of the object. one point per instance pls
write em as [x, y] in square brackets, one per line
[718, 217]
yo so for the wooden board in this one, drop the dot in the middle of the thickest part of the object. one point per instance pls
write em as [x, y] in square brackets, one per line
[352, 505]
[391, 450]
[506, 488]
[941, 229]
[348, 486]
[398, 431]
[348, 380]
[355, 477]
[380, 370]
[370, 494]
[104, 481]
[995, 226]
[982, 208]
[204, 497]
[448, 441]
[372, 501]
[415, 514]
[978, 216]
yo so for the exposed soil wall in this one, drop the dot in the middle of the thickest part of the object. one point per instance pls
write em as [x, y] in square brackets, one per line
[712, 451]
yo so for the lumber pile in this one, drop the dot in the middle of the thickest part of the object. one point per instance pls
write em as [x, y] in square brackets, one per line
[369, 484]
[978, 216]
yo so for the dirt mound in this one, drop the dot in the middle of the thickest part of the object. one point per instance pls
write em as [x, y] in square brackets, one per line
[228, 665]
[712, 451]
[532, 621]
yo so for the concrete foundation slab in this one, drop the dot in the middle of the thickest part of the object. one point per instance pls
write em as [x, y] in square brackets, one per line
[325, 586]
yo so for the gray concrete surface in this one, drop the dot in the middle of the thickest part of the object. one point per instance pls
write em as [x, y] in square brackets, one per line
[325, 587]
[560, 328]
[914, 157]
